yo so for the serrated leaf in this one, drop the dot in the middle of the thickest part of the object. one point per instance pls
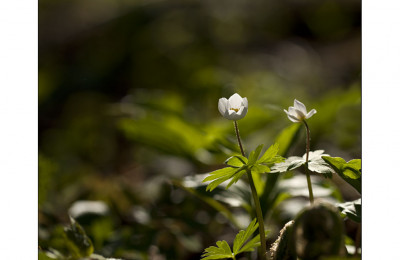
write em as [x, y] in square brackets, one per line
[315, 164]
[243, 236]
[351, 209]
[235, 178]
[349, 171]
[254, 154]
[220, 252]
[321, 167]
[259, 168]
[236, 161]
[219, 176]
[78, 242]
[253, 243]
[271, 152]
[291, 163]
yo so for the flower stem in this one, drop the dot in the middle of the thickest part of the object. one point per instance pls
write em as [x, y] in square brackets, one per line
[257, 205]
[310, 192]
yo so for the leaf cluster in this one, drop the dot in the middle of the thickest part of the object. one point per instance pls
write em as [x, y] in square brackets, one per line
[241, 244]
[315, 164]
[239, 165]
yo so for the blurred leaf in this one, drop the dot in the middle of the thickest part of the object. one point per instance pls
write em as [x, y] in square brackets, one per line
[222, 251]
[78, 242]
[349, 171]
[315, 164]
[210, 201]
[44, 256]
[351, 209]
[286, 138]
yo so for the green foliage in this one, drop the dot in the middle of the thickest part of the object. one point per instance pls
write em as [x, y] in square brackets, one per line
[220, 252]
[315, 164]
[77, 241]
[243, 236]
[219, 176]
[239, 165]
[240, 244]
[349, 171]
[351, 209]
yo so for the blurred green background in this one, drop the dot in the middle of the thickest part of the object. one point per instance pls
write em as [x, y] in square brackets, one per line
[128, 117]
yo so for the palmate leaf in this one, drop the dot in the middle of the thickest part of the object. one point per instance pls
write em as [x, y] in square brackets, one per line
[220, 252]
[239, 165]
[270, 156]
[239, 244]
[315, 164]
[219, 176]
[243, 236]
[349, 171]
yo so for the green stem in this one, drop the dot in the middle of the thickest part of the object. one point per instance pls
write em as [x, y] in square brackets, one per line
[257, 205]
[310, 192]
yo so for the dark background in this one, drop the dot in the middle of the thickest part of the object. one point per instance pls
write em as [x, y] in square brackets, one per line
[128, 94]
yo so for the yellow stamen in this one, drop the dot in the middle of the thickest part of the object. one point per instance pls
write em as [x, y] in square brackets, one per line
[235, 109]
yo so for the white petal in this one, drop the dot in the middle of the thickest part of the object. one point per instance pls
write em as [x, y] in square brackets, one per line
[300, 106]
[223, 106]
[235, 101]
[311, 113]
[292, 112]
[291, 117]
[242, 112]
[233, 115]
[245, 103]
[300, 114]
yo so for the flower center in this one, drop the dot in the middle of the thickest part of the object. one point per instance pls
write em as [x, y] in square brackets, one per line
[235, 109]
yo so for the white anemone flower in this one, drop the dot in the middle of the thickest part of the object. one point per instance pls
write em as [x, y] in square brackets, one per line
[298, 113]
[234, 108]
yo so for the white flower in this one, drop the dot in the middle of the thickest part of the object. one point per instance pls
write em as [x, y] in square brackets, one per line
[299, 112]
[234, 108]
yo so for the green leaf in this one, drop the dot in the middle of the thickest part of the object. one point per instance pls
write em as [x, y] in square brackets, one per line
[271, 152]
[222, 251]
[349, 171]
[235, 178]
[243, 236]
[352, 169]
[236, 161]
[259, 168]
[77, 240]
[287, 137]
[254, 154]
[351, 209]
[219, 176]
[210, 201]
